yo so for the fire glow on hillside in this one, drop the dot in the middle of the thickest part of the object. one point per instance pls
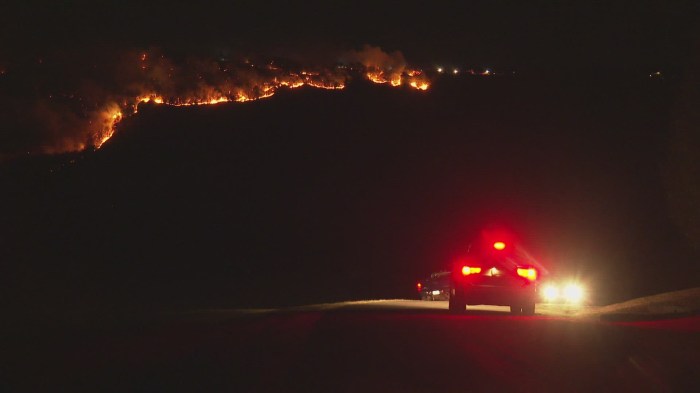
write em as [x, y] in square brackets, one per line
[73, 101]
[228, 83]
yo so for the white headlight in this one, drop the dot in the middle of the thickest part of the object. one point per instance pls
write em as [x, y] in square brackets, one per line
[550, 293]
[573, 293]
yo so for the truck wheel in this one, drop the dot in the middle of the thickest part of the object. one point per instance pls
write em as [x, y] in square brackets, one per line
[457, 303]
[528, 309]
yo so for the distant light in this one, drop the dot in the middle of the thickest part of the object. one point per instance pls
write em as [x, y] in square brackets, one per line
[455, 71]
[440, 70]
[436, 292]
[419, 286]
[499, 246]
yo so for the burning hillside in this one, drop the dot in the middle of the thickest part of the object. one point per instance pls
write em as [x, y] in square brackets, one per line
[77, 103]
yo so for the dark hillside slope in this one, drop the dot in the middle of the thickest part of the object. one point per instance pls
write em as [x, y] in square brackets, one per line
[317, 195]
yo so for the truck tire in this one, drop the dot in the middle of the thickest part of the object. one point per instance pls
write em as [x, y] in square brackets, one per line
[457, 303]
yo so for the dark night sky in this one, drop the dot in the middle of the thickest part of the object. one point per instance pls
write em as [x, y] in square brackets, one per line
[330, 195]
[516, 34]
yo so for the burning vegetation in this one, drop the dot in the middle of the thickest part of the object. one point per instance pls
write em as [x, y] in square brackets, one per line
[80, 105]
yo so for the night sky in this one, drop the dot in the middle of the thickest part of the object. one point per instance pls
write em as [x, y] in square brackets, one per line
[316, 195]
[539, 34]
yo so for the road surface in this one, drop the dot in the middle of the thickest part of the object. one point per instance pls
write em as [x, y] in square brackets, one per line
[372, 346]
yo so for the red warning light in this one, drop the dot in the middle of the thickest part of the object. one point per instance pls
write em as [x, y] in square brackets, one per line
[499, 246]
[419, 286]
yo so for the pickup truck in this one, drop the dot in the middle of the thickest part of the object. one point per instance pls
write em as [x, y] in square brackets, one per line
[497, 275]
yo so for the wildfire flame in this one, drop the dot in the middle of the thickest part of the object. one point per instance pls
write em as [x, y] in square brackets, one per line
[260, 88]
[109, 131]
[414, 78]
[419, 85]
[98, 89]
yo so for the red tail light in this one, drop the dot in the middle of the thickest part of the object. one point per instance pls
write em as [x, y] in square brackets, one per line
[419, 286]
[466, 270]
[528, 272]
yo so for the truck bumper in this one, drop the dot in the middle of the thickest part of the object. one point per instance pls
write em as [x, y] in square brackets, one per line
[498, 295]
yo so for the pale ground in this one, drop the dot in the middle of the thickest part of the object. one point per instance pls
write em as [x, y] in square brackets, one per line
[685, 302]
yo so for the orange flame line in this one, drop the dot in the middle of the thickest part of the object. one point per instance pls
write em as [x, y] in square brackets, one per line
[267, 90]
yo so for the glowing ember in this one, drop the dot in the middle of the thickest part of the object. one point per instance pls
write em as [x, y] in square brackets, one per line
[240, 97]
[377, 77]
[419, 86]
[324, 86]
